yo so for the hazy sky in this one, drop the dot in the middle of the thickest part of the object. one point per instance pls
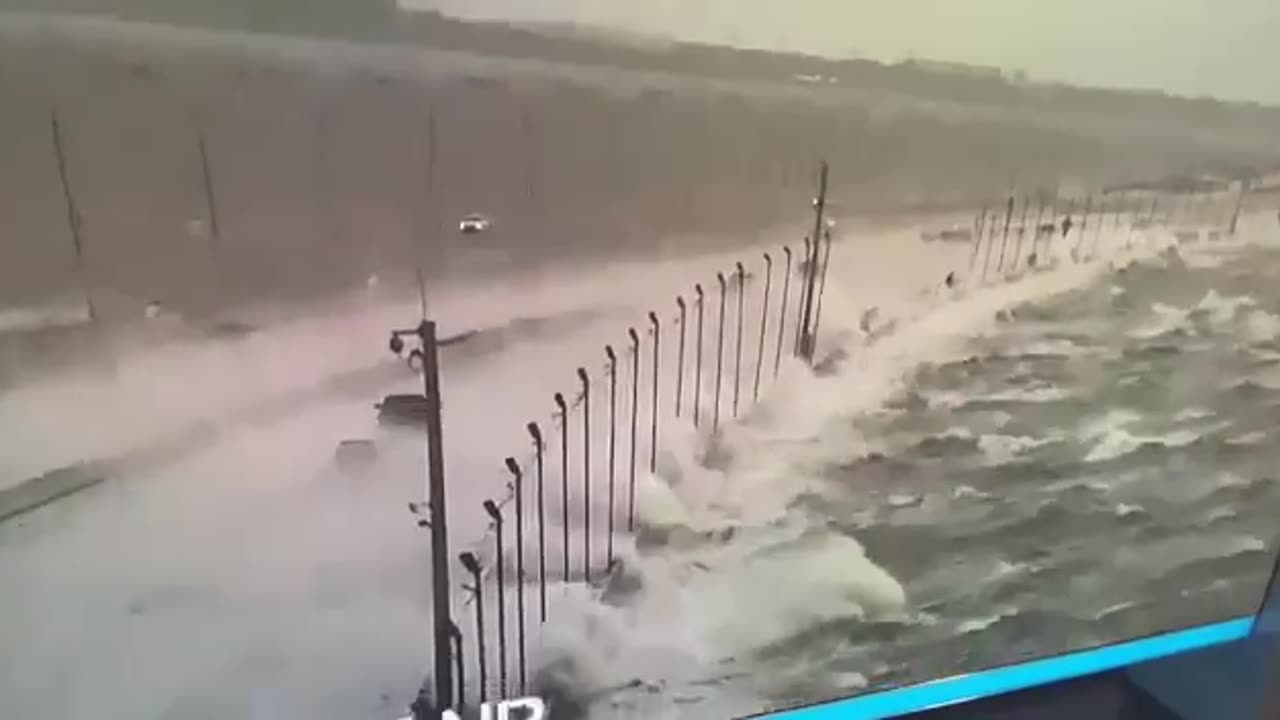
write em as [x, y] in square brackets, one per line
[1225, 48]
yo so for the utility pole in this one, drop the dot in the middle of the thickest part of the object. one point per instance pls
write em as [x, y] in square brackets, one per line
[811, 277]
[73, 214]
[432, 202]
[1035, 230]
[1235, 214]
[1022, 230]
[213, 244]
[210, 199]
[1004, 241]
[427, 354]
[1084, 223]
[979, 222]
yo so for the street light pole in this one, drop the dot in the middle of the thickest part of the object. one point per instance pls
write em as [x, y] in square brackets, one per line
[428, 355]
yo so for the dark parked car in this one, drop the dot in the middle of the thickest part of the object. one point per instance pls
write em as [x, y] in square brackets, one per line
[408, 410]
[356, 456]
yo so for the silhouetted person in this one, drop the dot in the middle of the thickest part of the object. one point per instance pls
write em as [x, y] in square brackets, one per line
[424, 706]
[1066, 225]
[951, 280]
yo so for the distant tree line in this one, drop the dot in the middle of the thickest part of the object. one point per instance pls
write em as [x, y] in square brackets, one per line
[381, 20]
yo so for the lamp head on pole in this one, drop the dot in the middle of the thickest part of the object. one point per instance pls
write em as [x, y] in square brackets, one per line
[470, 562]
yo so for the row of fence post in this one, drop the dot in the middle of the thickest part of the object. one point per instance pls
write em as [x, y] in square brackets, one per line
[771, 329]
[987, 225]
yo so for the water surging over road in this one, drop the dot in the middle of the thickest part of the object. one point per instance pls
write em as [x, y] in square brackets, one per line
[1090, 466]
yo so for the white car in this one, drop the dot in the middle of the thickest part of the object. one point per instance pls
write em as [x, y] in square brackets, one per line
[474, 223]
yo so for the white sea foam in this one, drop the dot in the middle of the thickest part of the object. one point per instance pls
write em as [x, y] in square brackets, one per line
[1249, 438]
[903, 500]
[1118, 443]
[1220, 513]
[966, 491]
[1166, 319]
[1064, 348]
[1192, 413]
[1128, 510]
[1113, 609]
[1222, 310]
[1262, 326]
[1004, 449]
[982, 623]
[1247, 543]
[1043, 394]
[1268, 377]
[1115, 418]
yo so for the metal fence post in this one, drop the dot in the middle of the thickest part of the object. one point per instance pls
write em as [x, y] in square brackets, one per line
[1097, 232]
[1004, 241]
[804, 274]
[806, 347]
[991, 243]
[564, 480]
[764, 326]
[459, 668]
[680, 355]
[1084, 223]
[586, 473]
[715, 418]
[613, 440]
[697, 375]
[496, 515]
[472, 565]
[979, 222]
[1245, 185]
[737, 352]
[653, 411]
[1022, 231]
[782, 315]
[822, 288]
[635, 416]
[536, 433]
[517, 478]
[1035, 231]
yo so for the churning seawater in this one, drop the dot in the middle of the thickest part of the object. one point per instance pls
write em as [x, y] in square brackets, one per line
[1095, 465]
